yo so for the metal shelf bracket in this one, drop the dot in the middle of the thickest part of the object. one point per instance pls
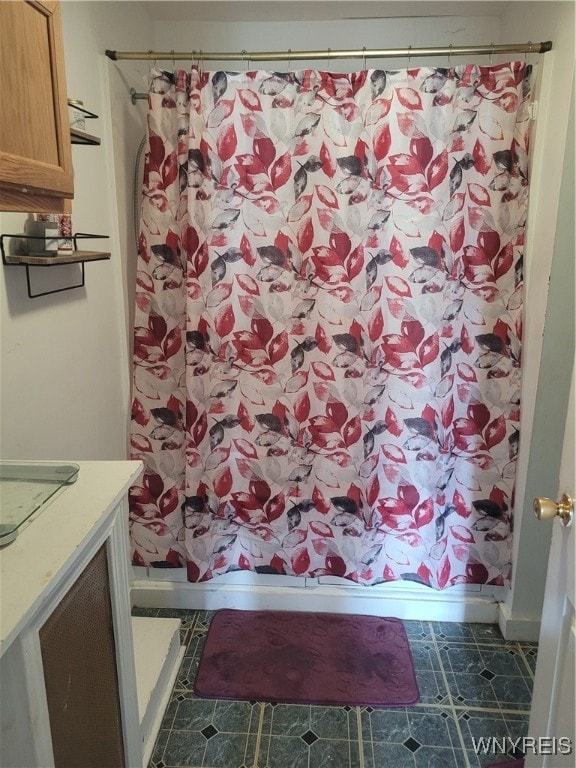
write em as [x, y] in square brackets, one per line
[53, 261]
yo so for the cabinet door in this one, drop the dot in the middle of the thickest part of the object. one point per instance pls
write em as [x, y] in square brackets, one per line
[80, 674]
[35, 154]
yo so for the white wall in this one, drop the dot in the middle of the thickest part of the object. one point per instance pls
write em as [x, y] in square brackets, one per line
[543, 402]
[321, 35]
[64, 361]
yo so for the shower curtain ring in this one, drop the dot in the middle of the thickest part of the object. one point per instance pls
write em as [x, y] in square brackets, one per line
[491, 53]
[527, 52]
[450, 55]
[244, 59]
[173, 63]
[289, 59]
[409, 54]
[364, 55]
[150, 52]
[328, 59]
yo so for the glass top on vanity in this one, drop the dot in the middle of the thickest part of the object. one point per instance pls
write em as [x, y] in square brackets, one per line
[25, 486]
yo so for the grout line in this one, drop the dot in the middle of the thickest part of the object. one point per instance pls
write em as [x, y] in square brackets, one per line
[360, 739]
[499, 645]
[497, 710]
[467, 707]
[258, 734]
[526, 664]
[193, 622]
[451, 700]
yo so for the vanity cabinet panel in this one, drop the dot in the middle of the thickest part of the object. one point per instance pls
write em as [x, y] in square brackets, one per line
[35, 153]
[79, 662]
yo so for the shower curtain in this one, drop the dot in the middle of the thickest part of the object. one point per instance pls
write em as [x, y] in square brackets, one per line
[328, 323]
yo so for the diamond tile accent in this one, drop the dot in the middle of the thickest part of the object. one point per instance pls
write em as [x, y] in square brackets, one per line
[209, 731]
[412, 744]
[487, 675]
[309, 737]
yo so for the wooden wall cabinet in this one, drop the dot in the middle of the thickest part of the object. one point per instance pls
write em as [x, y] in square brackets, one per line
[35, 154]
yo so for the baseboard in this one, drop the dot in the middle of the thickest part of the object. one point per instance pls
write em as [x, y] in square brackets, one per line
[518, 628]
[399, 599]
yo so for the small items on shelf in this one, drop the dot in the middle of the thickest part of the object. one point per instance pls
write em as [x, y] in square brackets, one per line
[49, 234]
[78, 116]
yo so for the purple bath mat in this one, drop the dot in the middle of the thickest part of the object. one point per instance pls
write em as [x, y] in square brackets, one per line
[307, 658]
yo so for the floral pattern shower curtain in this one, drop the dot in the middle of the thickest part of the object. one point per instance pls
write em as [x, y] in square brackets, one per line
[328, 328]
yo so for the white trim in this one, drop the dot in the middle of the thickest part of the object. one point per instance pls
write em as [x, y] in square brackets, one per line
[37, 699]
[514, 627]
[248, 591]
[117, 562]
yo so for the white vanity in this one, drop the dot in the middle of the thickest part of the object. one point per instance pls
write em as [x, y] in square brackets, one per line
[82, 683]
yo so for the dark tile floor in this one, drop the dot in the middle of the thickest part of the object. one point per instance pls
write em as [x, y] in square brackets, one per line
[472, 684]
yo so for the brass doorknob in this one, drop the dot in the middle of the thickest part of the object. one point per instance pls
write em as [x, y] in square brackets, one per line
[546, 509]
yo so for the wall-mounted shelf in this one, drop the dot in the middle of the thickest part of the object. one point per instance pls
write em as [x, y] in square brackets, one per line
[75, 257]
[81, 137]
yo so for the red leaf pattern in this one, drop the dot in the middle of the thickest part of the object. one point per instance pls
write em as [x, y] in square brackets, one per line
[324, 382]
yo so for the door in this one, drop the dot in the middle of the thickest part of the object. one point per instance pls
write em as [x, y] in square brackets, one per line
[553, 716]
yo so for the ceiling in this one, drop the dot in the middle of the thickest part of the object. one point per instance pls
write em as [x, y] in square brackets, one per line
[313, 10]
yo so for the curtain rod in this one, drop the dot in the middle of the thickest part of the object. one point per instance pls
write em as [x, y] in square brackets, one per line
[363, 53]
